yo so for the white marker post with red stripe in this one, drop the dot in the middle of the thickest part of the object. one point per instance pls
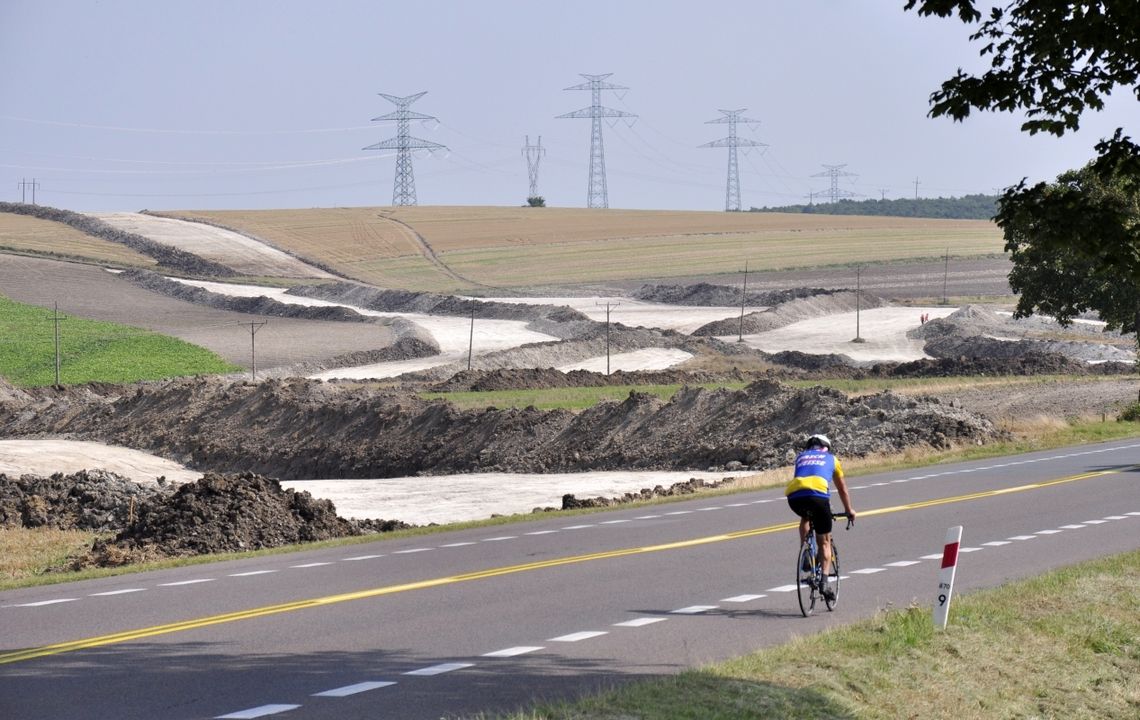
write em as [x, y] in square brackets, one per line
[946, 577]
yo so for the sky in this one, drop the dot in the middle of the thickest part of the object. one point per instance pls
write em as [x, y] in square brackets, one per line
[244, 104]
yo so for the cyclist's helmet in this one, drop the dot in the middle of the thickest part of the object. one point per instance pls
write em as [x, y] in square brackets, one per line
[819, 440]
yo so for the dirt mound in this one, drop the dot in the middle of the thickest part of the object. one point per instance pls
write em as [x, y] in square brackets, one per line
[533, 378]
[406, 301]
[708, 295]
[223, 513]
[1029, 363]
[300, 429]
[88, 500]
[979, 346]
[804, 308]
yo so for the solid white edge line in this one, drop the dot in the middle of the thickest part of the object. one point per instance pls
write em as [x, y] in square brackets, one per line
[354, 689]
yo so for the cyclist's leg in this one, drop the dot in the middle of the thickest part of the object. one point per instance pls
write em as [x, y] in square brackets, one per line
[799, 507]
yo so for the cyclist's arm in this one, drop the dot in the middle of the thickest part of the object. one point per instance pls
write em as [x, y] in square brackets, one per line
[841, 488]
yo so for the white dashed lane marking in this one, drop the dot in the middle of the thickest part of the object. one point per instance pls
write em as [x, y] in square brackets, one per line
[903, 563]
[410, 551]
[252, 572]
[743, 598]
[124, 591]
[513, 651]
[640, 622]
[1023, 537]
[692, 610]
[440, 669]
[868, 571]
[42, 603]
[258, 712]
[186, 582]
[310, 565]
[362, 557]
[355, 689]
[501, 538]
[578, 636]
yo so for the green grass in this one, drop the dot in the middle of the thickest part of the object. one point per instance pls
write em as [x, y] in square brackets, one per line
[1062, 645]
[92, 351]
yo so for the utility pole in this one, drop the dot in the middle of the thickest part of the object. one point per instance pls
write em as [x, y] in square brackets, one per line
[945, 277]
[858, 302]
[916, 187]
[743, 298]
[609, 306]
[731, 118]
[471, 336]
[835, 172]
[56, 318]
[253, 328]
[404, 188]
[597, 195]
[24, 185]
[533, 155]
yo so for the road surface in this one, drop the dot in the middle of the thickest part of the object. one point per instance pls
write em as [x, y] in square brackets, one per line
[493, 618]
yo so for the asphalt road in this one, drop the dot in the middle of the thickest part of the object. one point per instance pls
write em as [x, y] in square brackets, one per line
[493, 618]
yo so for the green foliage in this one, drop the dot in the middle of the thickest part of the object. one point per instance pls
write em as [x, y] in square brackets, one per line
[92, 351]
[536, 201]
[969, 207]
[1130, 413]
[1075, 244]
[1052, 60]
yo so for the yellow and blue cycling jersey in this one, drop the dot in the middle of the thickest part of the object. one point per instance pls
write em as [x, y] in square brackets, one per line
[815, 469]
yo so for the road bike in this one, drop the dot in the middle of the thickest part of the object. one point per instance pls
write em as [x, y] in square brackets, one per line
[809, 571]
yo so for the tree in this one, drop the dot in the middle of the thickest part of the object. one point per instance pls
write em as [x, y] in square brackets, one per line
[1052, 59]
[1075, 246]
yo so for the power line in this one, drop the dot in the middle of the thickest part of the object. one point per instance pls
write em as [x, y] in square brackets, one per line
[597, 195]
[732, 142]
[404, 188]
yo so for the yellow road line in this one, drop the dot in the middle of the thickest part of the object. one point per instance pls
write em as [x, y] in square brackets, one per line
[138, 634]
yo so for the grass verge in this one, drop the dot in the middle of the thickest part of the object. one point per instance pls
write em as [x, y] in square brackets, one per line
[91, 351]
[1062, 645]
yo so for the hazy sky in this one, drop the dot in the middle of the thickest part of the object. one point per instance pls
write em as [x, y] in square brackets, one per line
[178, 104]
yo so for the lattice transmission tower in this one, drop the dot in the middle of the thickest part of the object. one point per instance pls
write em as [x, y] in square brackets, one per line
[597, 195]
[404, 188]
[732, 142]
[533, 155]
[835, 192]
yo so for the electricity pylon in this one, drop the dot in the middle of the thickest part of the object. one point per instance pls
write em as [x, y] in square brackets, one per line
[835, 172]
[731, 118]
[596, 195]
[404, 188]
[533, 155]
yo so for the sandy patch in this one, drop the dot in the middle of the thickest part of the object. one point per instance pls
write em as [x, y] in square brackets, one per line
[243, 254]
[419, 500]
[883, 330]
[46, 457]
[637, 313]
[644, 359]
[455, 498]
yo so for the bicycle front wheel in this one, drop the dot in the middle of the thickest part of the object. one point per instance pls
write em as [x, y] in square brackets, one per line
[833, 578]
[805, 578]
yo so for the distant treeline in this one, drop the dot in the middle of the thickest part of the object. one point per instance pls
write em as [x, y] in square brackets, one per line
[968, 207]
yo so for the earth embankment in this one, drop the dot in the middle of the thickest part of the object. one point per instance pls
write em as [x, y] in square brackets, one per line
[299, 429]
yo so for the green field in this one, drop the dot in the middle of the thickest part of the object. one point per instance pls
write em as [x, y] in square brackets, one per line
[91, 351]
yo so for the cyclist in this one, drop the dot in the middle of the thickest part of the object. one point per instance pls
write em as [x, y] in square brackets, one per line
[809, 496]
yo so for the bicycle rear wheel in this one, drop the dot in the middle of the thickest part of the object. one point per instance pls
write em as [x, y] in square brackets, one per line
[805, 577]
[833, 578]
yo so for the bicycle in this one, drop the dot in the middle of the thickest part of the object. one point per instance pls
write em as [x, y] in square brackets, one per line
[809, 571]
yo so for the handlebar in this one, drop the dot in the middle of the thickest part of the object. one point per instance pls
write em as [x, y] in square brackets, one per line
[850, 520]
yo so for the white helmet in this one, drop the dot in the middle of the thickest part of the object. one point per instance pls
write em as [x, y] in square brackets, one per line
[819, 439]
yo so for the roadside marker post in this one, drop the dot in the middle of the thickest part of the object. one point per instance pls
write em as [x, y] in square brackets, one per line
[946, 576]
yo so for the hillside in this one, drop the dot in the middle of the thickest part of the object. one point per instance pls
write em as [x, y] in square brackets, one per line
[968, 207]
[445, 249]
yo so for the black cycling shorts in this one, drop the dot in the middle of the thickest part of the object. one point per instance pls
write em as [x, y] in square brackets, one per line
[818, 509]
